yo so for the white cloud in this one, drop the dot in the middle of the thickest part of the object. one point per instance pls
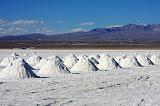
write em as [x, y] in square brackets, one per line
[27, 22]
[113, 26]
[15, 31]
[4, 22]
[78, 30]
[17, 27]
[20, 29]
[87, 24]
[59, 21]
[45, 30]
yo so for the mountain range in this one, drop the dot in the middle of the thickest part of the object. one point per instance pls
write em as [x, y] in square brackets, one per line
[130, 32]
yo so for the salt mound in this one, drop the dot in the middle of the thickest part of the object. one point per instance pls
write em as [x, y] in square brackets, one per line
[103, 55]
[84, 65]
[17, 69]
[55, 58]
[14, 55]
[107, 63]
[70, 60]
[9, 59]
[33, 52]
[155, 59]
[43, 61]
[82, 57]
[33, 60]
[129, 62]
[25, 54]
[144, 60]
[52, 67]
[40, 64]
[118, 59]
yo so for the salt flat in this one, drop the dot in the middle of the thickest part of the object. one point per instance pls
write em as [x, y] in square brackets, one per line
[138, 86]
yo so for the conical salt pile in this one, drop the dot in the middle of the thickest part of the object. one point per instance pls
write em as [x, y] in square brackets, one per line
[82, 57]
[25, 54]
[40, 64]
[144, 60]
[70, 60]
[107, 63]
[52, 67]
[14, 55]
[9, 59]
[33, 60]
[118, 59]
[155, 59]
[129, 62]
[17, 69]
[55, 58]
[84, 65]
[103, 55]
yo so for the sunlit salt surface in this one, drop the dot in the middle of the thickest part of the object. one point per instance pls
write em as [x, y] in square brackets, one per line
[135, 82]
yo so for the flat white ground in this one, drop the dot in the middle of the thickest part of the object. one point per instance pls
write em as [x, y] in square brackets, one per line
[125, 87]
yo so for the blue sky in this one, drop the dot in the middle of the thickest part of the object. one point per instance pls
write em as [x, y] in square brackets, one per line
[60, 16]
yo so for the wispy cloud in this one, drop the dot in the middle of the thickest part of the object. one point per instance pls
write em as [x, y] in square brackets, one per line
[112, 26]
[46, 31]
[17, 27]
[20, 22]
[87, 24]
[59, 21]
[78, 30]
[27, 22]
[4, 22]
